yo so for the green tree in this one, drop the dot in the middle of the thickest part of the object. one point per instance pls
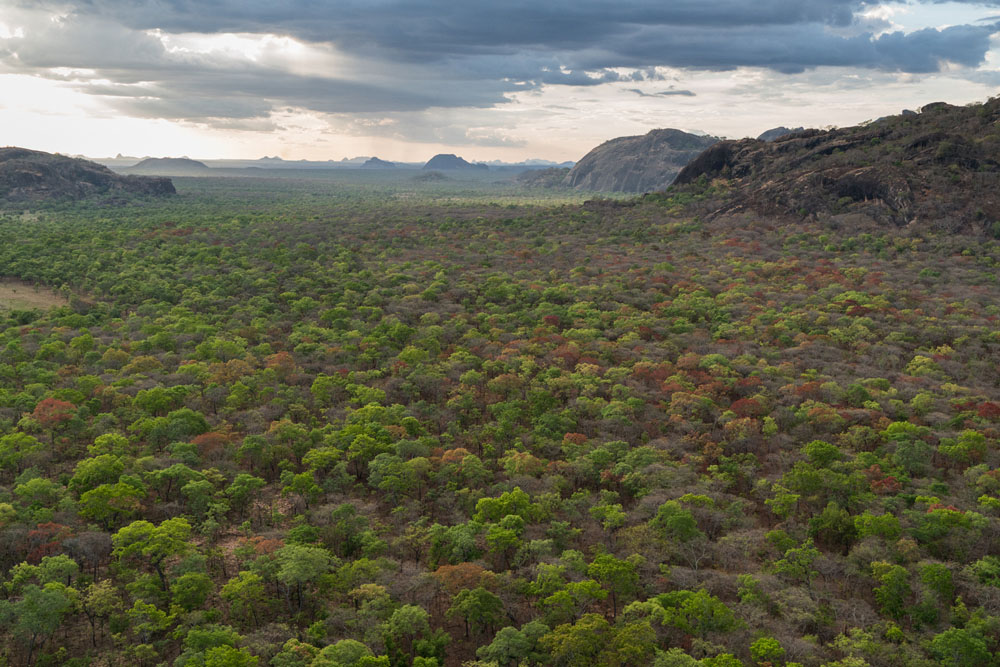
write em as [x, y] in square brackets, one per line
[675, 522]
[581, 644]
[767, 650]
[960, 647]
[298, 566]
[894, 591]
[405, 626]
[229, 656]
[245, 594]
[480, 609]
[99, 601]
[38, 613]
[141, 540]
[190, 590]
[508, 648]
[619, 577]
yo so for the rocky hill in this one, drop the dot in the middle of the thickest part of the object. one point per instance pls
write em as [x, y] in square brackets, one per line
[938, 169]
[637, 164]
[27, 175]
[170, 166]
[451, 162]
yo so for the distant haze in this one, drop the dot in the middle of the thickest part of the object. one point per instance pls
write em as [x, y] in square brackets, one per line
[405, 80]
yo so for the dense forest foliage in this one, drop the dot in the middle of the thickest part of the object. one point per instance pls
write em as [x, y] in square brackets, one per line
[291, 424]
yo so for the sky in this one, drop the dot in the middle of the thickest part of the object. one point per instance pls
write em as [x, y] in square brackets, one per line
[488, 80]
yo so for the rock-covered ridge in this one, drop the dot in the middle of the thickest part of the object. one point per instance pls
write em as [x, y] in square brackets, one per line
[637, 164]
[937, 168]
[27, 175]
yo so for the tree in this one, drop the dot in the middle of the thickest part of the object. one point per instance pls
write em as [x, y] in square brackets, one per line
[109, 504]
[696, 612]
[797, 563]
[960, 647]
[15, 449]
[345, 653]
[243, 491]
[620, 577]
[569, 601]
[580, 644]
[675, 522]
[405, 626]
[229, 656]
[894, 591]
[141, 540]
[99, 601]
[38, 614]
[190, 590]
[51, 413]
[767, 650]
[480, 609]
[244, 593]
[508, 648]
[299, 565]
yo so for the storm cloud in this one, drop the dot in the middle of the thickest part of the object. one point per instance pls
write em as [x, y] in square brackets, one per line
[392, 56]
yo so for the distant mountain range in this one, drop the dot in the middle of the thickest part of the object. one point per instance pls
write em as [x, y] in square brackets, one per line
[163, 165]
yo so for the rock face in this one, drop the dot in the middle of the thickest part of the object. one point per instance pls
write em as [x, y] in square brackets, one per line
[170, 166]
[937, 169]
[637, 164]
[27, 175]
[451, 162]
[375, 163]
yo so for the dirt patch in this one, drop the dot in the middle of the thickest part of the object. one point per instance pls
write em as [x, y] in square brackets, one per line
[17, 295]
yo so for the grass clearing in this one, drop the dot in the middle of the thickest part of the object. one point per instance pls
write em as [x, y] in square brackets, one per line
[18, 295]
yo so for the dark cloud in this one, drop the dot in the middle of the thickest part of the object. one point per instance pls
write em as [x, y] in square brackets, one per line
[662, 93]
[412, 56]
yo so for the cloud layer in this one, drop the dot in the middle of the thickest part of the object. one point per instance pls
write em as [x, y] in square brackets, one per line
[229, 62]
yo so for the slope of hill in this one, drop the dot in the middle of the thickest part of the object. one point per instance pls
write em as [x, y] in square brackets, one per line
[637, 164]
[170, 166]
[937, 168]
[27, 175]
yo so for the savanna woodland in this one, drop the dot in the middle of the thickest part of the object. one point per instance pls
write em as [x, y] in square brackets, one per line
[308, 423]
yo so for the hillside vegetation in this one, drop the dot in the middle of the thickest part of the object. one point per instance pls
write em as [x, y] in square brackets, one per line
[299, 423]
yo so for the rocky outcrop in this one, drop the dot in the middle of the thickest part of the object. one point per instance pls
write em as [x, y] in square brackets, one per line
[637, 164]
[27, 175]
[937, 169]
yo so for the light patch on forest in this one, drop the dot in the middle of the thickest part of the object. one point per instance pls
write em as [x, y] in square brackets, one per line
[19, 295]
